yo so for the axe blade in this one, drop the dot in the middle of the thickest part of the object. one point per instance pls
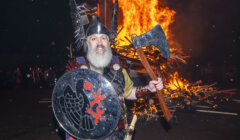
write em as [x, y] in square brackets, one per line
[155, 37]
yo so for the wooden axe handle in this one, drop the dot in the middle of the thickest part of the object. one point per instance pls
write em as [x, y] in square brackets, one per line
[153, 76]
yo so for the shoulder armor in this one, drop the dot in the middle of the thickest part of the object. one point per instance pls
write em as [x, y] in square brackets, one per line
[116, 64]
[83, 64]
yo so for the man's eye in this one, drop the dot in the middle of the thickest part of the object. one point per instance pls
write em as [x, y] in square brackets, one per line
[93, 39]
[104, 38]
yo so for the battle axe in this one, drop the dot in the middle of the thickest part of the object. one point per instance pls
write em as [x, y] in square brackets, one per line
[155, 37]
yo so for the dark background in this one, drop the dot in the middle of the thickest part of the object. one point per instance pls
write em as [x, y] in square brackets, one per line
[36, 32]
[208, 30]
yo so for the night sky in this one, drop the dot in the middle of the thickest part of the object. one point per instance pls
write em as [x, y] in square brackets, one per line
[38, 31]
[35, 31]
[208, 30]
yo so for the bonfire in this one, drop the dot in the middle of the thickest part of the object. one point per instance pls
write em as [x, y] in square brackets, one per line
[138, 17]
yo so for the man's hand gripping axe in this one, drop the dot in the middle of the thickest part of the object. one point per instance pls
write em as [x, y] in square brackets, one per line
[155, 37]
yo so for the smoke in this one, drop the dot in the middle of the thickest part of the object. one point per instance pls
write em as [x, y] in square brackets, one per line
[188, 28]
[204, 27]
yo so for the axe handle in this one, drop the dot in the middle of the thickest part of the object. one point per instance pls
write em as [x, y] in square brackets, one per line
[153, 76]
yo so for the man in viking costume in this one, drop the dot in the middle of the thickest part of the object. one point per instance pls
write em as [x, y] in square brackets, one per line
[99, 58]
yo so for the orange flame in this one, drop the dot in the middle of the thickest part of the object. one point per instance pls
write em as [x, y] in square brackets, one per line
[141, 16]
[176, 82]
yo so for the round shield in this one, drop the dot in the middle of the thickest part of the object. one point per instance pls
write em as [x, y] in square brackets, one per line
[85, 104]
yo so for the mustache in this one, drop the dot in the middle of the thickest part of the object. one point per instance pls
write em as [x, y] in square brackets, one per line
[100, 46]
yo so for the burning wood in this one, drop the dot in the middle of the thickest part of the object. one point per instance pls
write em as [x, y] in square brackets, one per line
[179, 92]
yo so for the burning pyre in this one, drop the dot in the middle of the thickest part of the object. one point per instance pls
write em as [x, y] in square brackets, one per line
[139, 17]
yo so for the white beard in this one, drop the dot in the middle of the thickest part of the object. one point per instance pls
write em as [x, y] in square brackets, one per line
[99, 61]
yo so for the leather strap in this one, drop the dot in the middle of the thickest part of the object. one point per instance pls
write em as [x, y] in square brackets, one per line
[142, 91]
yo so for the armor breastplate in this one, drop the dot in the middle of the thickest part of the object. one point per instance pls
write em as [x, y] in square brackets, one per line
[116, 79]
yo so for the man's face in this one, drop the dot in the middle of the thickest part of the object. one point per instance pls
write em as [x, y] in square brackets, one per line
[99, 52]
[99, 43]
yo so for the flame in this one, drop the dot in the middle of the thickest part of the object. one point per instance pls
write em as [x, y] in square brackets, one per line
[177, 83]
[179, 87]
[138, 17]
[141, 16]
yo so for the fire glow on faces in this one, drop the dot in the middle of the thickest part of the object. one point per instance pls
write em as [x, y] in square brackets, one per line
[99, 52]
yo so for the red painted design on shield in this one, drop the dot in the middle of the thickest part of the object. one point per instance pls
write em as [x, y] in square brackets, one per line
[97, 115]
[88, 86]
[97, 99]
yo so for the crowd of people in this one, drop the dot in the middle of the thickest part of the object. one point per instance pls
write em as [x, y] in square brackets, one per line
[29, 77]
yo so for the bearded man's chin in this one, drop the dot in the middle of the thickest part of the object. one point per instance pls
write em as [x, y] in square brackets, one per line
[99, 61]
